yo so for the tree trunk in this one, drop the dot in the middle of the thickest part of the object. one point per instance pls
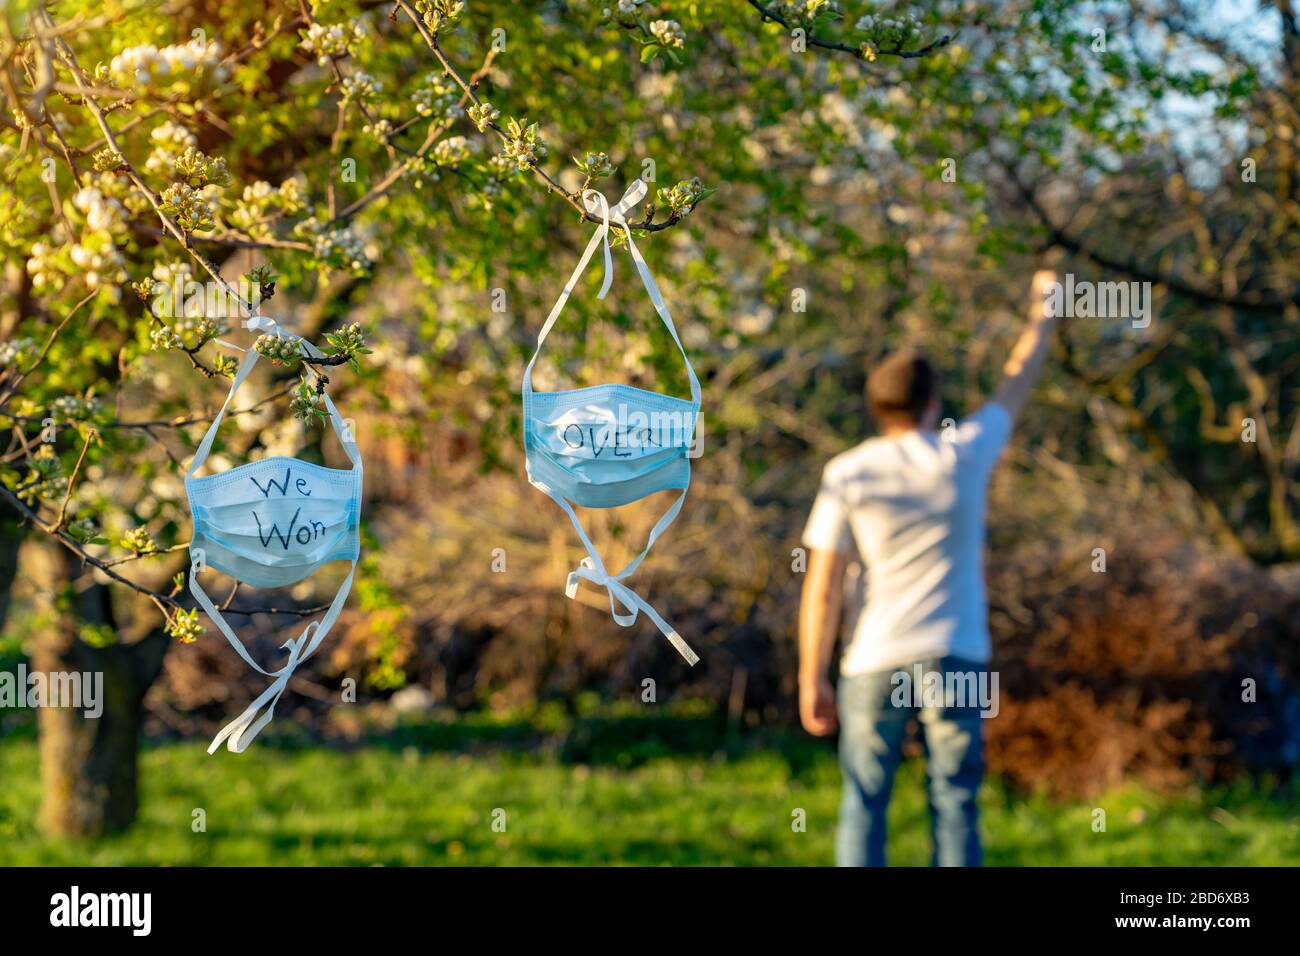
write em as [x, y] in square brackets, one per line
[89, 764]
[11, 540]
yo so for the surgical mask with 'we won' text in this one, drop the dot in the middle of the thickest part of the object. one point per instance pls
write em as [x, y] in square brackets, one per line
[607, 445]
[268, 524]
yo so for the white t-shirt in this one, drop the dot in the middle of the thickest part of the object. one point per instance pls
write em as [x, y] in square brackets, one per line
[912, 507]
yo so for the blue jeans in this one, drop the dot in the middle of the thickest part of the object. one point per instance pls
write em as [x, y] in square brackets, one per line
[872, 726]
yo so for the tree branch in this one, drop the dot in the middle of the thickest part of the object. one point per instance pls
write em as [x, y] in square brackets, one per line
[1058, 236]
[165, 602]
[857, 52]
[551, 186]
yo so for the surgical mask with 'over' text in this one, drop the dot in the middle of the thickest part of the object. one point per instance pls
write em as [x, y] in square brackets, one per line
[607, 445]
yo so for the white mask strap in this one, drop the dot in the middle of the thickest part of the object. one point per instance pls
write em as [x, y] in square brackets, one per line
[205, 446]
[661, 307]
[597, 204]
[601, 235]
[240, 732]
[268, 325]
[592, 569]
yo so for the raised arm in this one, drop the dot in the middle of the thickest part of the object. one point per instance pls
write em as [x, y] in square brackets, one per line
[1026, 360]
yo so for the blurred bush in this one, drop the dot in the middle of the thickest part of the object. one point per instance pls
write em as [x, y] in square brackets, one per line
[1175, 664]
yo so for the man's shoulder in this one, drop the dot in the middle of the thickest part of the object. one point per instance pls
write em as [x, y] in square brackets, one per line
[988, 428]
[992, 414]
[861, 458]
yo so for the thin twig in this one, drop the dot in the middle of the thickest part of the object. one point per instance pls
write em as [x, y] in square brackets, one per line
[12, 387]
[72, 481]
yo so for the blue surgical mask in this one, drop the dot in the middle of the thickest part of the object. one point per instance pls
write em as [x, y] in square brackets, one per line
[268, 524]
[608, 445]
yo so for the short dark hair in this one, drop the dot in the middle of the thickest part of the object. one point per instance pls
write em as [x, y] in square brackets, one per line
[901, 387]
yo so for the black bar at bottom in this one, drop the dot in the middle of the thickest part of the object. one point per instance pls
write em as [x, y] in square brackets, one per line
[332, 906]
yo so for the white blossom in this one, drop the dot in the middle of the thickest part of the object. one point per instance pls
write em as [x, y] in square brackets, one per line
[454, 150]
[361, 86]
[328, 42]
[668, 33]
[11, 352]
[438, 97]
[148, 65]
[169, 141]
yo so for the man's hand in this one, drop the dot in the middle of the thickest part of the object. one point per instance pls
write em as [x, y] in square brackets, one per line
[817, 706]
[1040, 288]
[819, 617]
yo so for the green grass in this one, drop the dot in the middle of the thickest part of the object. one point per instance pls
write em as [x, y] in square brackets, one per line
[599, 789]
